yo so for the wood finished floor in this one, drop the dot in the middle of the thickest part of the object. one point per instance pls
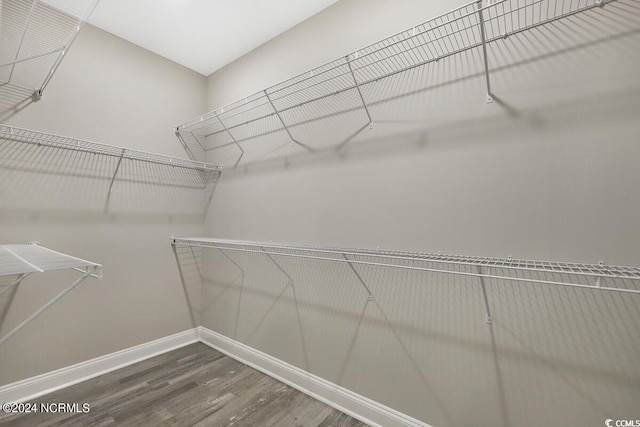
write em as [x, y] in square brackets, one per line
[192, 386]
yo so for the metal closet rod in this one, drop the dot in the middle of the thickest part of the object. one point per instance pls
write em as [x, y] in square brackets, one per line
[385, 44]
[597, 271]
[33, 137]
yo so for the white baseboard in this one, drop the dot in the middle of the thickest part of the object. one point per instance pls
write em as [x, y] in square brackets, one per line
[353, 404]
[46, 383]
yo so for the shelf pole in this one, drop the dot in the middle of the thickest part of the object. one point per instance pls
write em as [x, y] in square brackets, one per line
[488, 319]
[116, 171]
[232, 137]
[15, 283]
[284, 125]
[278, 265]
[484, 52]
[366, 109]
[360, 279]
[47, 305]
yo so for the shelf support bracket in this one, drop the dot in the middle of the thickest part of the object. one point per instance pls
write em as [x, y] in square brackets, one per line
[487, 319]
[185, 146]
[599, 278]
[278, 265]
[47, 305]
[15, 283]
[230, 259]
[36, 95]
[235, 328]
[366, 109]
[284, 125]
[184, 282]
[360, 279]
[295, 297]
[484, 52]
[233, 138]
[116, 171]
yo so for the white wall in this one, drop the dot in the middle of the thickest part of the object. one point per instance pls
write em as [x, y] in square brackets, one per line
[110, 91]
[550, 172]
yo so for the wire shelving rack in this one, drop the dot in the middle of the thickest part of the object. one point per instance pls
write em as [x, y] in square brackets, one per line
[355, 86]
[598, 277]
[29, 55]
[47, 153]
[23, 260]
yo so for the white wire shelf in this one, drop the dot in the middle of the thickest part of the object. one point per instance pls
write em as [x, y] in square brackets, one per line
[591, 276]
[43, 152]
[35, 36]
[25, 259]
[42, 139]
[32, 258]
[357, 85]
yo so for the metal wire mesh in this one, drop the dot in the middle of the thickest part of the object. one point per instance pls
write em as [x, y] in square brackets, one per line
[41, 139]
[619, 278]
[388, 80]
[33, 151]
[35, 35]
[29, 258]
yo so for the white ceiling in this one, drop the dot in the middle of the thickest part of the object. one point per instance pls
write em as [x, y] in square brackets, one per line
[203, 35]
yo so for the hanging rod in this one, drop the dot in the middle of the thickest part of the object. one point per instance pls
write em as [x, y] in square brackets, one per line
[485, 267]
[471, 26]
[33, 137]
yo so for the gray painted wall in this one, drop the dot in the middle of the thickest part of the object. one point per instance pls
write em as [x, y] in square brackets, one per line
[550, 172]
[109, 91]
[551, 177]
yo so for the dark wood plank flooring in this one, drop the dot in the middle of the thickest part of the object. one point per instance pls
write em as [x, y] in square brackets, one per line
[191, 386]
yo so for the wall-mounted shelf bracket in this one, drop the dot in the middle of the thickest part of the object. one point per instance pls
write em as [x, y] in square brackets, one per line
[37, 95]
[599, 278]
[284, 125]
[278, 265]
[14, 283]
[488, 319]
[230, 259]
[115, 172]
[364, 103]
[233, 138]
[489, 98]
[360, 279]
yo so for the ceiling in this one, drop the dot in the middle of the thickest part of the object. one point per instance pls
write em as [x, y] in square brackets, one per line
[203, 35]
